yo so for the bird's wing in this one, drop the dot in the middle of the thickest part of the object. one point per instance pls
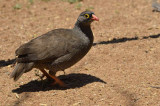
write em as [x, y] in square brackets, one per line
[49, 46]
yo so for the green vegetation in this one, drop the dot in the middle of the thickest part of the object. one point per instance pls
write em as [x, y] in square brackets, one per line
[17, 6]
[34, 36]
[116, 11]
[72, 1]
[78, 6]
[30, 1]
[89, 8]
[46, 0]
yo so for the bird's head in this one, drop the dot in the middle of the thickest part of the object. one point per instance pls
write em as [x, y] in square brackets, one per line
[87, 17]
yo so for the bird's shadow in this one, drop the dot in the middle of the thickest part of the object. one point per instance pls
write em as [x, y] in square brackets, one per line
[71, 80]
[4, 63]
[125, 39]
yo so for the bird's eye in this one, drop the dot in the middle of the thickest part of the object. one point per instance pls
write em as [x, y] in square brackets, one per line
[86, 15]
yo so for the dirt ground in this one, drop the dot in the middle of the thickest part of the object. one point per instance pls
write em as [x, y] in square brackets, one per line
[121, 69]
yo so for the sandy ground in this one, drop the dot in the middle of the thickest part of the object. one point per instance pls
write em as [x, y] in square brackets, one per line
[121, 69]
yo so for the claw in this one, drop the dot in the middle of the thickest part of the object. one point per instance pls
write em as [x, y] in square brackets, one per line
[61, 84]
[56, 80]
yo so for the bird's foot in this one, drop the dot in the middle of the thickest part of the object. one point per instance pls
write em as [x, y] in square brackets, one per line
[59, 82]
[53, 77]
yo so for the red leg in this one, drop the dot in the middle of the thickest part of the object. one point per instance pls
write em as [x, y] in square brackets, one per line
[57, 81]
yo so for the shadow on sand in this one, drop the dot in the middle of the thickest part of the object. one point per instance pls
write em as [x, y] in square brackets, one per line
[125, 39]
[71, 80]
[4, 63]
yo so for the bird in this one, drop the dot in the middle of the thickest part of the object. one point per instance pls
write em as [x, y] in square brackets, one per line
[56, 50]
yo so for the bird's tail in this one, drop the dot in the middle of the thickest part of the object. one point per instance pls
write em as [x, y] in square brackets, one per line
[19, 69]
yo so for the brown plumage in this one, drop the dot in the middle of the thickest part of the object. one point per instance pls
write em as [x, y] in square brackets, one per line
[56, 50]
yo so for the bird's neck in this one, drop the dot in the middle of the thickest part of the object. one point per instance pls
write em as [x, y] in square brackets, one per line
[86, 29]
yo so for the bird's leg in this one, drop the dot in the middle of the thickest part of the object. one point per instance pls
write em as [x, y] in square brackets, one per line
[44, 73]
[57, 81]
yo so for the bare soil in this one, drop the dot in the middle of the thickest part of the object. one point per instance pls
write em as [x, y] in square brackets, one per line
[121, 69]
